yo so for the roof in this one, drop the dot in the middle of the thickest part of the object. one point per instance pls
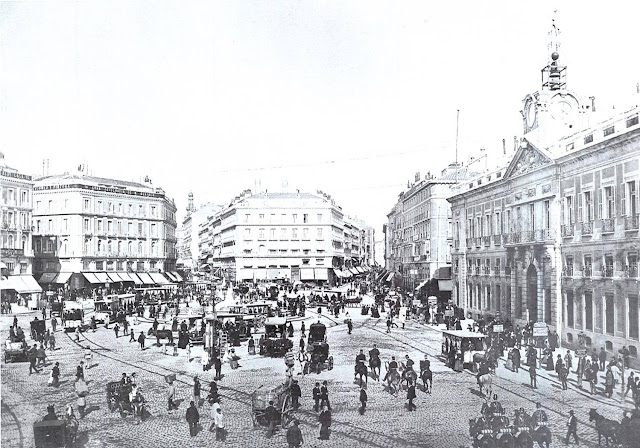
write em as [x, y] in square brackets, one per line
[62, 178]
[284, 196]
[464, 334]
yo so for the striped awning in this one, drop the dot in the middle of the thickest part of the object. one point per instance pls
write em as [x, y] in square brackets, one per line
[90, 277]
[146, 279]
[135, 278]
[158, 278]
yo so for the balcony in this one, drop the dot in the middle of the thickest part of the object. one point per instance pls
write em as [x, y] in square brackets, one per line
[608, 271]
[486, 240]
[478, 241]
[477, 270]
[486, 270]
[631, 222]
[469, 243]
[513, 238]
[586, 227]
[631, 271]
[541, 235]
[526, 236]
[567, 231]
[497, 240]
[456, 244]
[587, 271]
[607, 225]
[567, 271]
[496, 270]
[9, 252]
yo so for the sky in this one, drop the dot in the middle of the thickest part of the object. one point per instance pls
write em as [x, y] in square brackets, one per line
[348, 97]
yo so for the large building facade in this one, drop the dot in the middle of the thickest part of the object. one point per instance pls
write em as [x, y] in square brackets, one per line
[190, 244]
[17, 191]
[287, 236]
[84, 224]
[552, 236]
[418, 234]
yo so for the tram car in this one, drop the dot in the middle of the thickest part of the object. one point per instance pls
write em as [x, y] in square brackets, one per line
[72, 316]
[275, 343]
[318, 349]
[471, 345]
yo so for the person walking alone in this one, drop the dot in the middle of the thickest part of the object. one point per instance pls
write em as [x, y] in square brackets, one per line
[316, 397]
[55, 375]
[132, 337]
[532, 376]
[196, 390]
[116, 329]
[32, 357]
[221, 433]
[325, 422]
[141, 339]
[54, 323]
[171, 395]
[324, 395]
[573, 427]
[294, 435]
[192, 417]
[271, 415]
[411, 395]
[363, 400]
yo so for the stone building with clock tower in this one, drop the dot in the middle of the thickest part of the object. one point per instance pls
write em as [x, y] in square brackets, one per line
[552, 236]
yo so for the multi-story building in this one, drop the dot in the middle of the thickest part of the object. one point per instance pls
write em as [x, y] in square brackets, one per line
[552, 236]
[17, 189]
[270, 236]
[418, 230]
[85, 223]
[194, 218]
[16, 257]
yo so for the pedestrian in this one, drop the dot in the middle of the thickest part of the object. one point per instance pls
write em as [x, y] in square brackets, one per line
[294, 435]
[609, 382]
[217, 363]
[141, 340]
[192, 417]
[77, 334]
[196, 390]
[568, 360]
[132, 337]
[204, 360]
[602, 358]
[45, 339]
[41, 356]
[125, 326]
[116, 329]
[271, 415]
[171, 395]
[573, 427]
[188, 352]
[363, 400]
[296, 393]
[316, 397]
[324, 395]
[82, 390]
[302, 344]
[388, 325]
[44, 313]
[325, 422]
[631, 384]
[32, 355]
[564, 373]
[55, 375]
[532, 377]
[411, 395]
[221, 433]
[302, 329]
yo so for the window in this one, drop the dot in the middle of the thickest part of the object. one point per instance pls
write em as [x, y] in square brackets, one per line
[588, 310]
[569, 208]
[305, 233]
[294, 233]
[319, 234]
[130, 210]
[588, 266]
[154, 232]
[130, 247]
[632, 205]
[86, 224]
[110, 226]
[50, 209]
[140, 210]
[570, 309]
[283, 233]
[261, 234]
[140, 266]
[498, 224]
[272, 233]
[319, 261]
[246, 217]
[153, 210]
[632, 121]
[608, 266]
[609, 313]
[140, 252]
[24, 198]
[110, 207]
[608, 131]
[119, 247]
[294, 218]
[532, 217]
[633, 317]
[110, 246]
[272, 218]
[140, 229]
[609, 204]
[99, 225]
[580, 214]
[99, 246]
[247, 234]
[568, 270]
[597, 299]
[588, 206]
[305, 218]
[547, 215]
[261, 217]
[99, 265]
[319, 217]
[588, 139]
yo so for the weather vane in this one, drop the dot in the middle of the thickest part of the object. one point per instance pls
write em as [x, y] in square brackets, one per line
[554, 39]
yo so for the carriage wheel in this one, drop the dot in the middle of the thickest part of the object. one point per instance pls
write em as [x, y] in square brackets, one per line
[330, 362]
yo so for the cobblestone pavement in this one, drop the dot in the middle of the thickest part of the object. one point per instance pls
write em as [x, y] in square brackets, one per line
[441, 419]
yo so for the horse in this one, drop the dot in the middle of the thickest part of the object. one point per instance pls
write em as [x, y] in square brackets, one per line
[427, 376]
[485, 381]
[362, 371]
[393, 379]
[374, 365]
[610, 429]
[408, 375]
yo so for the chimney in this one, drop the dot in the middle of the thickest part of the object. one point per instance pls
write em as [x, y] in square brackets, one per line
[593, 103]
[515, 143]
[504, 146]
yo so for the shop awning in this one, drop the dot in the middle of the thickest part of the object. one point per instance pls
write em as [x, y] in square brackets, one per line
[158, 278]
[22, 284]
[389, 277]
[245, 274]
[177, 276]
[321, 274]
[102, 277]
[382, 275]
[62, 278]
[346, 273]
[171, 277]
[146, 279]
[48, 277]
[90, 277]
[424, 282]
[115, 278]
[135, 278]
[445, 285]
[307, 274]
[125, 277]
[354, 271]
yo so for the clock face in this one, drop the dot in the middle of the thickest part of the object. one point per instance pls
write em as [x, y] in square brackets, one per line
[531, 114]
[562, 110]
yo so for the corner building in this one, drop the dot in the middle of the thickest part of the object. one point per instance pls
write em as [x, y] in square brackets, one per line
[552, 236]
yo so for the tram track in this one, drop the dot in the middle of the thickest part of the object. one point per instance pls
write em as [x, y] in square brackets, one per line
[6, 410]
[244, 398]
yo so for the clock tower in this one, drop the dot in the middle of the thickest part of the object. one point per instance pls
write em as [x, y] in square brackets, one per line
[552, 112]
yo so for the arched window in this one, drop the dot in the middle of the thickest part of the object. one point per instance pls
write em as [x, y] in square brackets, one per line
[65, 246]
[119, 247]
[110, 244]
[130, 247]
[10, 244]
[99, 246]
[139, 248]
[38, 245]
[153, 249]
[49, 246]
[87, 246]
[24, 243]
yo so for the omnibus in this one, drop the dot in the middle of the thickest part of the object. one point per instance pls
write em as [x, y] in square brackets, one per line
[72, 315]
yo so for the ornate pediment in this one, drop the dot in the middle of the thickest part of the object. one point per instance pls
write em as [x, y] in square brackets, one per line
[527, 159]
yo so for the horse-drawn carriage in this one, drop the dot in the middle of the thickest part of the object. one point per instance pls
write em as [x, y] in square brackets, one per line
[275, 343]
[118, 398]
[470, 344]
[15, 351]
[38, 329]
[281, 397]
[495, 429]
[318, 349]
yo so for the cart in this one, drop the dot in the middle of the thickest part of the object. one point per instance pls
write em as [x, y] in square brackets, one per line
[118, 397]
[275, 343]
[281, 397]
[38, 329]
[15, 351]
[318, 349]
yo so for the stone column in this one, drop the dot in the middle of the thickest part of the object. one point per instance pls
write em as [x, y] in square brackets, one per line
[540, 316]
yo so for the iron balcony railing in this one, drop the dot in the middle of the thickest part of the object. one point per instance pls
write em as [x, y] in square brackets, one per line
[497, 240]
[631, 222]
[607, 225]
[486, 240]
[567, 231]
[587, 227]
[587, 271]
[526, 236]
[631, 271]
[478, 241]
[608, 271]
[568, 271]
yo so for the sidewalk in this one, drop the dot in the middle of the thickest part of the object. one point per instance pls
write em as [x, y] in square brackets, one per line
[552, 377]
